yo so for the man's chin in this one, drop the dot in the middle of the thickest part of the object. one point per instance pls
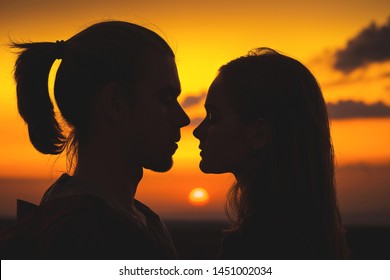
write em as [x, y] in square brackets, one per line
[161, 166]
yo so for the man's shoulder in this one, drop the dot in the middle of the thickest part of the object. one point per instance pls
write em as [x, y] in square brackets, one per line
[73, 227]
[72, 211]
[81, 215]
[146, 210]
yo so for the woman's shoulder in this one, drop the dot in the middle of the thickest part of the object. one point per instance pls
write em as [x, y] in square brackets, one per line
[263, 239]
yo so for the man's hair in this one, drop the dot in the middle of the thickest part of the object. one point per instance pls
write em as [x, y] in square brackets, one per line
[110, 51]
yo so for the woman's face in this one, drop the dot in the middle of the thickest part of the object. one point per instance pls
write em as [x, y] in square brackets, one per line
[226, 142]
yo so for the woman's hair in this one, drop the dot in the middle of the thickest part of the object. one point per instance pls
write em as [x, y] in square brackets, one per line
[111, 51]
[294, 180]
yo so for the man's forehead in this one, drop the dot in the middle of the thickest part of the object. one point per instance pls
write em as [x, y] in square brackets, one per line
[159, 75]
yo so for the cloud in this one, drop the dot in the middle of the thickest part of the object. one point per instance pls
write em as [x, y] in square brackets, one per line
[372, 44]
[347, 109]
[344, 109]
[358, 79]
[193, 100]
[196, 121]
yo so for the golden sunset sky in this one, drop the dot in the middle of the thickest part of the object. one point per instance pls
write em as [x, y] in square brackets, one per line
[346, 44]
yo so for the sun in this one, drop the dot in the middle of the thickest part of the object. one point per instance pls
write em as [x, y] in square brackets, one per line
[198, 197]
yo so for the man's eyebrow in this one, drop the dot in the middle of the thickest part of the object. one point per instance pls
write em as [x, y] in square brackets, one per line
[210, 107]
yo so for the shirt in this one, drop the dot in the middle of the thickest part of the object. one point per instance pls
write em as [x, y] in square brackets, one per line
[74, 221]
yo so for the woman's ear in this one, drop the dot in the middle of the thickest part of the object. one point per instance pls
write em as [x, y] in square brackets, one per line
[260, 138]
[114, 102]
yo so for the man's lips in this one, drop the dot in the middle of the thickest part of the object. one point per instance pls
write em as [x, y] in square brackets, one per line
[176, 138]
[202, 150]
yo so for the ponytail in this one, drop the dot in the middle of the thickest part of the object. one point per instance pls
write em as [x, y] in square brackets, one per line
[35, 107]
[102, 53]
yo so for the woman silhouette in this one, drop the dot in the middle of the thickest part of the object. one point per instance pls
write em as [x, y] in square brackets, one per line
[267, 124]
[116, 89]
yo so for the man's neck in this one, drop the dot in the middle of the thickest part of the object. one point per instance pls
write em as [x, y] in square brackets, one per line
[115, 179]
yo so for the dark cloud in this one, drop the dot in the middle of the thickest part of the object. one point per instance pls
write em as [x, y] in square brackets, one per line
[193, 100]
[344, 109]
[358, 79]
[348, 109]
[372, 44]
[196, 121]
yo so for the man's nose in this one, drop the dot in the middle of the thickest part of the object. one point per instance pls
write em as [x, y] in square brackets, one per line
[183, 118]
[198, 130]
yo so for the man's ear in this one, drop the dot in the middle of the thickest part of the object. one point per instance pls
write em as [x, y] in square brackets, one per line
[114, 102]
[261, 134]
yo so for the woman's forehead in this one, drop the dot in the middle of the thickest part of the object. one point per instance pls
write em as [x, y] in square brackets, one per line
[215, 91]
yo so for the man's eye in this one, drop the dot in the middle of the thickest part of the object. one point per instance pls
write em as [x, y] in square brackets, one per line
[168, 99]
[210, 117]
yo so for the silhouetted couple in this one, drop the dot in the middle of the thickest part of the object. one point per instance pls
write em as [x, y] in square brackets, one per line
[116, 89]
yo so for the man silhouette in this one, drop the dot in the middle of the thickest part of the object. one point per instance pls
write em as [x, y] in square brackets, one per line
[116, 89]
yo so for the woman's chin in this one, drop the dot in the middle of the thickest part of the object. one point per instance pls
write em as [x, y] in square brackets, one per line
[210, 169]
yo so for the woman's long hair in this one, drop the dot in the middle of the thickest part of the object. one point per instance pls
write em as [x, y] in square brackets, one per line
[110, 51]
[293, 180]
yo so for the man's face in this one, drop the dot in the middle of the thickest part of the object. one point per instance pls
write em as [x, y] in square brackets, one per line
[157, 116]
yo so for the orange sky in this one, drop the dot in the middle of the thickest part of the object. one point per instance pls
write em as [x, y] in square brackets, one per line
[205, 36]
